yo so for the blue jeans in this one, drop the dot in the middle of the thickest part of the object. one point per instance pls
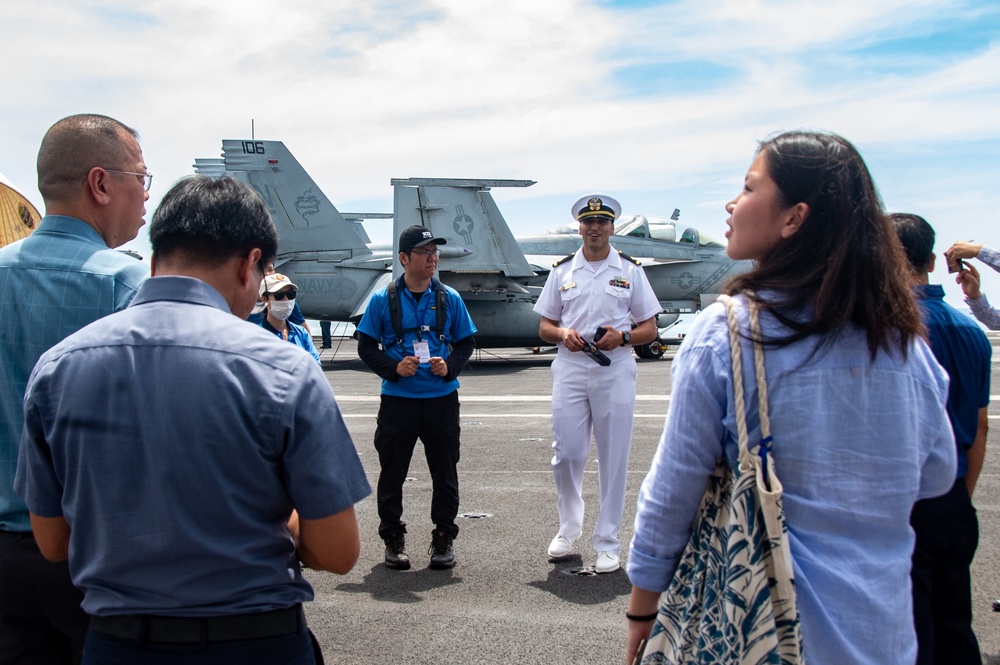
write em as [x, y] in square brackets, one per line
[294, 649]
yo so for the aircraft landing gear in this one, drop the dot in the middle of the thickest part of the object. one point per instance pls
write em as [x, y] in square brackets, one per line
[651, 351]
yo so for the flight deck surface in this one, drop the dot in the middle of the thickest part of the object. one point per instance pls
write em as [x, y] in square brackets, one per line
[504, 602]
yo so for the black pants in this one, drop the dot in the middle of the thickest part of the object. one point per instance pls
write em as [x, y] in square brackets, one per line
[947, 533]
[41, 622]
[295, 649]
[435, 421]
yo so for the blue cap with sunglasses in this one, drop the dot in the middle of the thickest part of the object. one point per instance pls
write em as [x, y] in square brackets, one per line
[418, 236]
[276, 282]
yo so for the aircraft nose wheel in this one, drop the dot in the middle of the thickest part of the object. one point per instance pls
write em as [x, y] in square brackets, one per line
[651, 351]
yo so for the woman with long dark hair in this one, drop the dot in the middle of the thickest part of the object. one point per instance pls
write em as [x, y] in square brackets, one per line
[856, 403]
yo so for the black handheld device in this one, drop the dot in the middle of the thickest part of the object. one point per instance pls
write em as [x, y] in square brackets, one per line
[595, 354]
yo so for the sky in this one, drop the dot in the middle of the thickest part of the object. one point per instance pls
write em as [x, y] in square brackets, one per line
[660, 104]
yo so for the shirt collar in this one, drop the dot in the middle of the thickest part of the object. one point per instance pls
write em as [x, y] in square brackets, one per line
[614, 260]
[70, 226]
[179, 289]
[401, 285]
[930, 291]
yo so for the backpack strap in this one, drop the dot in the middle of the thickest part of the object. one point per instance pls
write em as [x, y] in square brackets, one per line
[396, 312]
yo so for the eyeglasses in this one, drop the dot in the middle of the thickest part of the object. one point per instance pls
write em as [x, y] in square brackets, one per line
[281, 295]
[425, 252]
[147, 178]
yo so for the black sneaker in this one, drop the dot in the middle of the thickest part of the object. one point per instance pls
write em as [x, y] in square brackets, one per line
[395, 552]
[441, 550]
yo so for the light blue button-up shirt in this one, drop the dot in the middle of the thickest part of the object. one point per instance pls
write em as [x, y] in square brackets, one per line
[54, 282]
[856, 443]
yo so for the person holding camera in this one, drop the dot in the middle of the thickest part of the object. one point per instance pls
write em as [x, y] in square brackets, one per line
[587, 307]
[968, 278]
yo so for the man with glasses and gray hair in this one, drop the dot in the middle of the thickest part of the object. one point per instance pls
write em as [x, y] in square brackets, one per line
[65, 275]
[426, 338]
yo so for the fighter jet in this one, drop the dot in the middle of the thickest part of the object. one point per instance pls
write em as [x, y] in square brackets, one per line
[337, 269]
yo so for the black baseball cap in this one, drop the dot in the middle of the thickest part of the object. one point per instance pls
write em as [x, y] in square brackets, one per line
[418, 236]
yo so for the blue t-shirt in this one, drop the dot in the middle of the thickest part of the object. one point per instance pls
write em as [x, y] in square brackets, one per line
[962, 349]
[52, 283]
[297, 335]
[377, 323]
[175, 440]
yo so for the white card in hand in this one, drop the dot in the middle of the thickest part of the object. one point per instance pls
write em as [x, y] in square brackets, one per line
[423, 351]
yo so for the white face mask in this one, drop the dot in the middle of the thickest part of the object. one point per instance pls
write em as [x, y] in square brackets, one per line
[282, 309]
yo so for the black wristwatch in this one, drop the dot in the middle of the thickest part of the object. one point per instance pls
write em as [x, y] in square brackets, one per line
[626, 338]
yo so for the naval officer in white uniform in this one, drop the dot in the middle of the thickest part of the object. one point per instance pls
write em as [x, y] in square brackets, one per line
[595, 287]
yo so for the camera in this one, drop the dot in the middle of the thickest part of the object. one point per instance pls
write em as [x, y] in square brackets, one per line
[595, 354]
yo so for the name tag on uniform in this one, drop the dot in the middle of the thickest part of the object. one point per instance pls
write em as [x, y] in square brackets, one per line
[567, 286]
[423, 351]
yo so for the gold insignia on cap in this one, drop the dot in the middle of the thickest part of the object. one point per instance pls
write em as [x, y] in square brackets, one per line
[595, 203]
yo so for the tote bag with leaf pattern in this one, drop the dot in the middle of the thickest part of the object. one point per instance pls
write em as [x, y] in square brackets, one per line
[732, 598]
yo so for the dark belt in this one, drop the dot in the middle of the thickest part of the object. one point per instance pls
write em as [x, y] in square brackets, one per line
[194, 630]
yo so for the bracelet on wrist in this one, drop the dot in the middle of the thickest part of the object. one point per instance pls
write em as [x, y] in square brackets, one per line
[640, 617]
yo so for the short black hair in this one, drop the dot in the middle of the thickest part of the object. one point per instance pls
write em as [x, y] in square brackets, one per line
[917, 238]
[213, 219]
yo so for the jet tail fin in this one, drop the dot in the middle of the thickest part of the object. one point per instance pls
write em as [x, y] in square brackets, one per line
[306, 219]
[463, 212]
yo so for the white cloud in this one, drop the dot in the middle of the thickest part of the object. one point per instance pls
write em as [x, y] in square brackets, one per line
[662, 104]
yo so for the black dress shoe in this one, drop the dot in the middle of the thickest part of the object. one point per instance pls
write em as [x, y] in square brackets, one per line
[395, 553]
[441, 550]
[996, 605]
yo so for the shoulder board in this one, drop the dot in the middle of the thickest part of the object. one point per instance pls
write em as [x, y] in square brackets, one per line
[563, 260]
[627, 257]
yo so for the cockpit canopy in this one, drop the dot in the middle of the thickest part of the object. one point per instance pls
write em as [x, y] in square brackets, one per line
[667, 230]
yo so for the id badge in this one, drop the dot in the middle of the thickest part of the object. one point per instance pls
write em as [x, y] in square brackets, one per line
[422, 351]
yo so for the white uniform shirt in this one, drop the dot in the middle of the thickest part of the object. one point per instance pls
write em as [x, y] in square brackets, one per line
[581, 299]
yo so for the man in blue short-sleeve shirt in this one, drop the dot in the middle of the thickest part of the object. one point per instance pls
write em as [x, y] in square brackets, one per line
[185, 462]
[946, 527]
[66, 274]
[419, 371]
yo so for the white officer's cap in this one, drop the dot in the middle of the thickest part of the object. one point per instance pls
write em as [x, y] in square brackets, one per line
[596, 205]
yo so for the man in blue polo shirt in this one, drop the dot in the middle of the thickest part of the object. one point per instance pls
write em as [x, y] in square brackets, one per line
[946, 527]
[65, 275]
[419, 366]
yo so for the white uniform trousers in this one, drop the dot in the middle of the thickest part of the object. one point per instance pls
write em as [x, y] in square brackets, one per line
[588, 397]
